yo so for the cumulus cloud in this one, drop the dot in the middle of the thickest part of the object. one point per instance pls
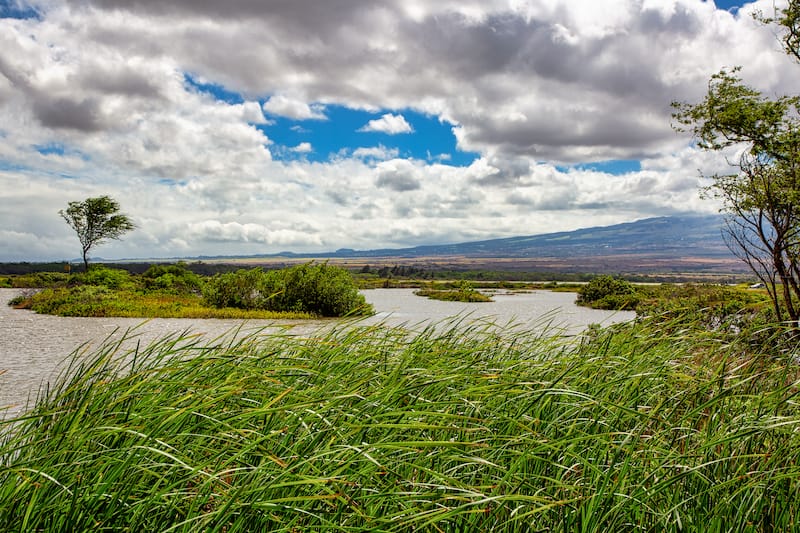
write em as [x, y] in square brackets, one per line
[380, 152]
[397, 175]
[532, 87]
[293, 108]
[303, 148]
[388, 123]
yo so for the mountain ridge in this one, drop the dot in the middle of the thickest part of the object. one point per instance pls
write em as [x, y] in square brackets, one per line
[667, 244]
[691, 244]
[698, 235]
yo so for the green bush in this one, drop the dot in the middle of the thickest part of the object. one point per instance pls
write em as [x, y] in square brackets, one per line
[112, 278]
[84, 300]
[608, 292]
[464, 293]
[242, 289]
[319, 289]
[39, 280]
[173, 279]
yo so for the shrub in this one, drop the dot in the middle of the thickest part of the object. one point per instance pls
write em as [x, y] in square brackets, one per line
[38, 280]
[85, 300]
[242, 289]
[608, 292]
[112, 278]
[319, 289]
[465, 293]
[173, 279]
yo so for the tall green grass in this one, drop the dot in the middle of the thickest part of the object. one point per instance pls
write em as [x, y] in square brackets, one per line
[466, 428]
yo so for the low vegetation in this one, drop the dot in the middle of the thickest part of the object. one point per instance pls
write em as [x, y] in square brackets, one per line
[173, 291]
[318, 289]
[608, 292]
[464, 293]
[655, 425]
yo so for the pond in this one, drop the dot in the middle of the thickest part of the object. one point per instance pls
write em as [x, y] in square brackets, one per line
[33, 347]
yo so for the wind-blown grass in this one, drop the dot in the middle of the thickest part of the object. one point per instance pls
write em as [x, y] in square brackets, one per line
[379, 429]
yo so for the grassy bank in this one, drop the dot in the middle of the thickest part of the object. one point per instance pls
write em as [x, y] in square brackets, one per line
[656, 426]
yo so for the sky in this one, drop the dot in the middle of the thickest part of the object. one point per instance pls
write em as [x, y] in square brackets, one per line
[254, 127]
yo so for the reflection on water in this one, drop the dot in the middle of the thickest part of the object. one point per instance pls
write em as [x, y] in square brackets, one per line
[33, 347]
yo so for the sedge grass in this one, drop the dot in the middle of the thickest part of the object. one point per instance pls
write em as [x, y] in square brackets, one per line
[380, 429]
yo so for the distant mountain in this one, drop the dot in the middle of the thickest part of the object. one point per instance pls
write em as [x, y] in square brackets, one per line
[663, 237]
[691, 243]
[673, 244]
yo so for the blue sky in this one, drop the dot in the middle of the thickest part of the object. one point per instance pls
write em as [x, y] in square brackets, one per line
[244, 127]
[340, 130]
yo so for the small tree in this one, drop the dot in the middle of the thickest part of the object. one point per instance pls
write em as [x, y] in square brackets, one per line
[96, 220]
[761, 200]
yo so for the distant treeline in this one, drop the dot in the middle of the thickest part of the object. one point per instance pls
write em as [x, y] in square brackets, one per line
[388, 272]
[203, 269]
[434, 273]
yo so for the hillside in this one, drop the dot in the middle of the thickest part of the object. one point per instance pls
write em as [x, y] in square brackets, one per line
[668, 237]
[674, 246]
[664, 245]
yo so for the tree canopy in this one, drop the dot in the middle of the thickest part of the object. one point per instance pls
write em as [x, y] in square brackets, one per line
[96, 220]
[761, 200]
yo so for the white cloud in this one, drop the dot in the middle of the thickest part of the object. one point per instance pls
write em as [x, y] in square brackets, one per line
[529, 88]
[303, 148]
[293, 108]
[380, 153]
[388, 123]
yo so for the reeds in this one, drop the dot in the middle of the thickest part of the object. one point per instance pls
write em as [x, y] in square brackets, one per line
[467, 428]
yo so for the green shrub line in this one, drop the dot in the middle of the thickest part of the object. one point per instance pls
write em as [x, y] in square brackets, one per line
[650, 426]
[173, 291]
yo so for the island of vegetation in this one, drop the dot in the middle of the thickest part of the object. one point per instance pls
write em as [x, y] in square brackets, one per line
[173, 291]
[464, 292]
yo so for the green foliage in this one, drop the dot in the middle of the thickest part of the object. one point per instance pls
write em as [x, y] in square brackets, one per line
[608, 292]
[83, 300]
[761, 198]
[694, 298]
[174, 291]
[642, 427]
[319, 289]
[100, 301]
[242, 289]
[96, 220]
[173, 279]
[464, 293]
[38, 280]
[98, 275]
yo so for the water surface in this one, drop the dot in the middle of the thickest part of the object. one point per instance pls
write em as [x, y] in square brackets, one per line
[34, 347]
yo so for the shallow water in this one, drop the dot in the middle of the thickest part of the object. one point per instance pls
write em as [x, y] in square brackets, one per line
[34, 347]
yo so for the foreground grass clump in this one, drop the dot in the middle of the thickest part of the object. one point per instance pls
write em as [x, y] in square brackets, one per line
[376, 429]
